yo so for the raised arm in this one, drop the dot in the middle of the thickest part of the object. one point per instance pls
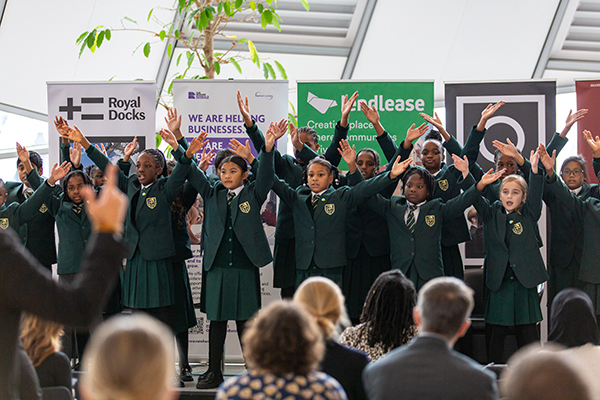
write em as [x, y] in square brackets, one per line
[471, 147]
[536, 186]
[265, 173]
[385, 141]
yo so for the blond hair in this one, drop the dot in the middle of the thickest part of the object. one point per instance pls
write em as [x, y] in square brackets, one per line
[324, 300]
[41, 338]
[519, 180]
[129, 357]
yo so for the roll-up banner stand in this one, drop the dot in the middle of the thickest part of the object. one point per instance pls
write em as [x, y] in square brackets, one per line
[397, 102]
[211, 106]
[528, 118]
[108, 113]
[588, 96]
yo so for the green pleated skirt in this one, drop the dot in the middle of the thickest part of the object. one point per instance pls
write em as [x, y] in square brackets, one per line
[513, 304]
[335, 274]
[147, 284]
[284, 264]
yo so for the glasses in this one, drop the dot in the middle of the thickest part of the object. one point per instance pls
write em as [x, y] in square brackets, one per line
[567, 172]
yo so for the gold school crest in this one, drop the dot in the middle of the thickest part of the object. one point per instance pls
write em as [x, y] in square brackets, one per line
[443, 184]
[43, 208]
[518, 228]
[151, 202]
[430, 220]
[329, 209]
[245, 207]
[4, 223]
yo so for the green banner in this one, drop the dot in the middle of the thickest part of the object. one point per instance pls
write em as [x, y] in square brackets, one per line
[398, 104]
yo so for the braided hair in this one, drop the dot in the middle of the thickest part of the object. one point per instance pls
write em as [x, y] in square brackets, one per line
[333, 171]
[159, 159]
[428, 179]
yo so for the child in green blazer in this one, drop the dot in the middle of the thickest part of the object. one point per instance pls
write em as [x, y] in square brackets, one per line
[235, 246]
[513, 266]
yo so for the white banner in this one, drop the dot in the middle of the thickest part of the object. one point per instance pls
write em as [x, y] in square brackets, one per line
[108, 113]
[211, 106]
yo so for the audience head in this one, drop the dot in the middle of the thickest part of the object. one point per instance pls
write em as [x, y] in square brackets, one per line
[444, 306]
[283, 338]
[324, 300]
[387, 312]
[573, 321]
[40, 337]
[129, 357]
[543, 375]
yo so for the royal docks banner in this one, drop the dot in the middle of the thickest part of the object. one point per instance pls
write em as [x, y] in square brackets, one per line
[398, 104]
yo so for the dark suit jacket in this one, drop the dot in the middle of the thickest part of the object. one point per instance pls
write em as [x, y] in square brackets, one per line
[30, 288]
[427, 368]
[345, 365]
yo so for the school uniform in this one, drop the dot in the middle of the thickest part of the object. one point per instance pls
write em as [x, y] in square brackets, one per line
[38, 233]
[148, 277]
[320, 229]
[14, 215]
[418, 254]
[235, 244]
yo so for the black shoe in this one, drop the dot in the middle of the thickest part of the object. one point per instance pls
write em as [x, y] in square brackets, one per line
[209, 381]
[185, 374]
[181, 384]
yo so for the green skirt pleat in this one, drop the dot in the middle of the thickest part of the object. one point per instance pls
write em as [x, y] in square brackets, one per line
[452, 260]
[335, 274]
[513, 304]
[232, 292]
[184, 316]
[562, 278]
[284, 264]
[147, 284]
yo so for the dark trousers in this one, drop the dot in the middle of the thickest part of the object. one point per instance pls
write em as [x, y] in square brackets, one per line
[496, 335]
[216, 343]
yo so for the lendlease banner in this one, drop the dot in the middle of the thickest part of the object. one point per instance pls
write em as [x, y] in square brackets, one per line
[588, 94]
[108, 113]
[398, 104]
[211, 106]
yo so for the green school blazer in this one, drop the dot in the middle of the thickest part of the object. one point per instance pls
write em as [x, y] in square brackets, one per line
[586, 213]
[422, 248]
[148, 222]
[322, 237]
[245, 213]
[13, 215]
[519, 247]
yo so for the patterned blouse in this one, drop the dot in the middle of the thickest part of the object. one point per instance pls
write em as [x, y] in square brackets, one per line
[252, 385]
[358, 338]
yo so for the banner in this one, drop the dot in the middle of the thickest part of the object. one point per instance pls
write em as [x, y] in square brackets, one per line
[398, 104]
[588, 93]
[108, 113]
[211, 106]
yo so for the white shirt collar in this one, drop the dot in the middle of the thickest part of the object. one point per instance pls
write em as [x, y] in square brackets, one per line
[418, 205]
[318, 194]
[577, 191]
[236, 191]
[147, 186]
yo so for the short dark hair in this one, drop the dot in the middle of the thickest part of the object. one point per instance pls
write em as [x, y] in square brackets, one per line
[34, 158]
[428, 179]
[237, 160]
[86, 180]
[219, 157]
[374, 154]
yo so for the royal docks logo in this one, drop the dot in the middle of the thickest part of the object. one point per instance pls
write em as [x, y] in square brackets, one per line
[118, 109]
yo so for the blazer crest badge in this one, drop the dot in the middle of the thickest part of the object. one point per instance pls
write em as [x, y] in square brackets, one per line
[43, 208]
[329, 209]
[151, 202]
[430, 220]
[517, 228]
[443, 184]
[4, 223]
[245, 207]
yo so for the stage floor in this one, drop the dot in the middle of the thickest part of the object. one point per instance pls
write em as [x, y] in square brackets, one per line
[189, 392]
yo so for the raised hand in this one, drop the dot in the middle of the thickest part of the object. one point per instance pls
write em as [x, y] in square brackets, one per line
[347, 105]
[101, 148]
[22, 153]
[437, 122]
[168, 137]
[461, 164]
[508, 148]
[271, 136]
[173, 120]
[107, 212]
[61, 124]
[245, 151]
[413, 134]
[399, 167]
[487, 114]
[75, 154]
[593, 142]
[129, 149]
[59, 172]
[298, 145]
[282, 126]
[371, 113]
[348, 153]
[244, 109]
[534, 158]
[73, 134]
[196, 145]
[205, 158]
[547, 161]
[489, 177]
[571, 119]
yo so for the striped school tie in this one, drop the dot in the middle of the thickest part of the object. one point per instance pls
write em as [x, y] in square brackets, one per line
[77, 208]
[410, 220]
[230, 197]
[315, 201]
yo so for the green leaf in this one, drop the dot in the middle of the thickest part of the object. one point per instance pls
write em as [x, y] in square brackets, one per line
[147, 50]
[158, 140]
[292, 106]
[271, 70]
[170, 50]
[81, 37]
[292, 119]
[182, 4]
[269, 2]
[193, 14]
[265, 71]
[107, 34]
[253, 5]
[91, 39]
[238, 3]
[129, 19]
[281, 69]
[253, 53]
[170, 88]
[227, 7]
[243, 40]
[276, 24]
[236, 65]
[202, 21]
[217, 67]
[83, 45]
[100, 39]
[260, 8]
[150, 13]
[178, 58]
[177, 33]
[190, 58]
[111, 78]
[218, 54]
[220, 8]
[305, 4]
[263, 21]
[162, 35]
